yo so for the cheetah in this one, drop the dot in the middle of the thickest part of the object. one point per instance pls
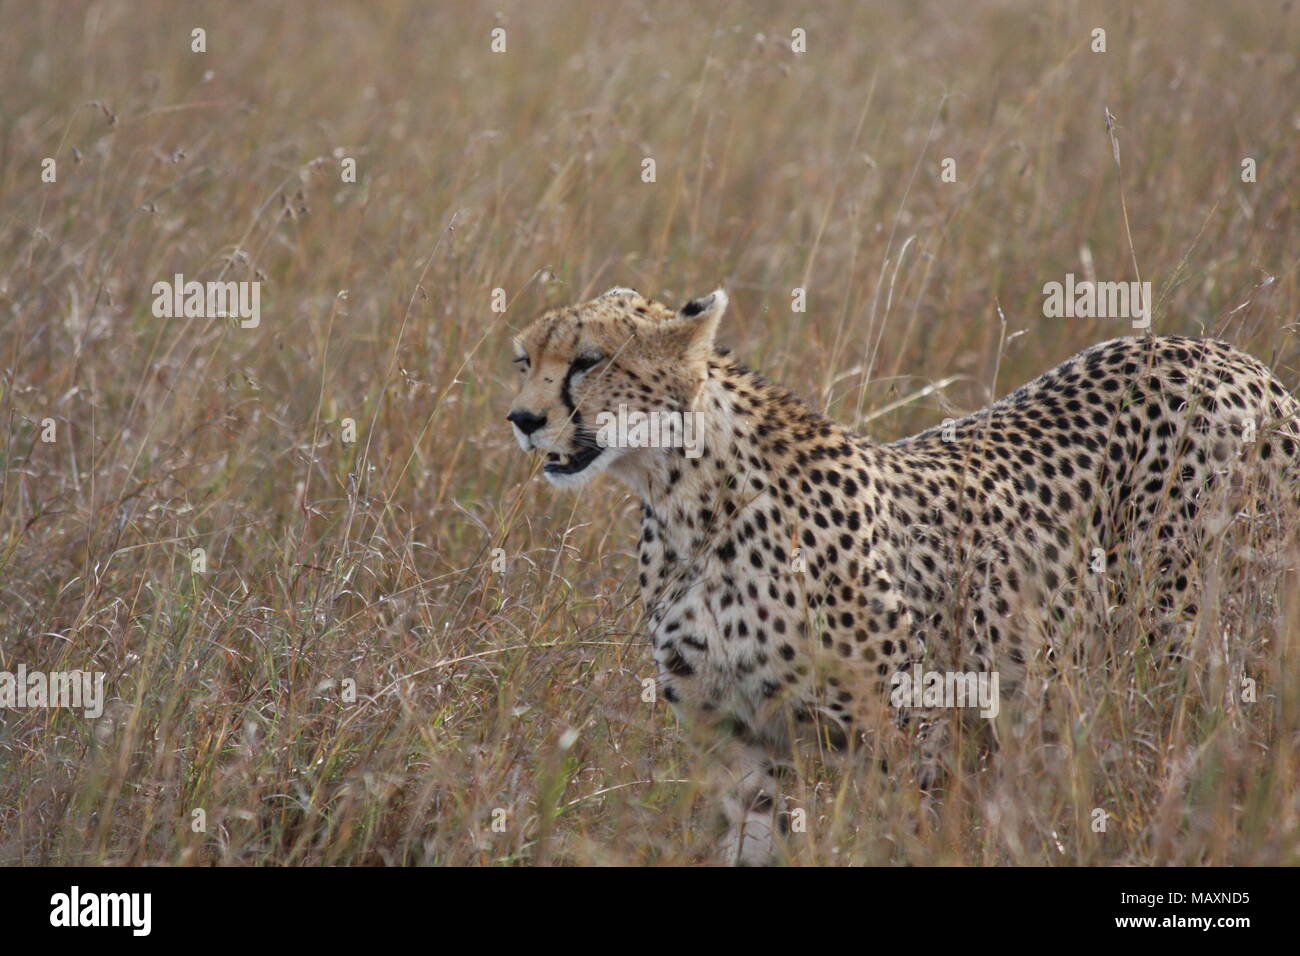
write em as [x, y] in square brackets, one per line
[792, 569]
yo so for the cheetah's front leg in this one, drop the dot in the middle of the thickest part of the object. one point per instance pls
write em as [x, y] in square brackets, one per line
[752, 804]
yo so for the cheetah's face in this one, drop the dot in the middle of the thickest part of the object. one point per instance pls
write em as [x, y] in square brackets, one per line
[583, 367]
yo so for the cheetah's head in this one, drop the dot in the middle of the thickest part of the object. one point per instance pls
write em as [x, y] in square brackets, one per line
[584, 366]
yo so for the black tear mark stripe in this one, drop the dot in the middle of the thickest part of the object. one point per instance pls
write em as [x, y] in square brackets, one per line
[574, 416]
[564, 392]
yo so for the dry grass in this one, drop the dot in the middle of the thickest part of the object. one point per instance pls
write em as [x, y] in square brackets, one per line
[520, 691]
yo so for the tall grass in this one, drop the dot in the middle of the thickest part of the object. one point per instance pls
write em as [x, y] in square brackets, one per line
[498, 715]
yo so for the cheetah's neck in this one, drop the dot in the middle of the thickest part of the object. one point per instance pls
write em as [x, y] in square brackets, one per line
[751, 437]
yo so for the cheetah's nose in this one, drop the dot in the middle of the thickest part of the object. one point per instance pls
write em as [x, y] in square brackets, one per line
[526, 422]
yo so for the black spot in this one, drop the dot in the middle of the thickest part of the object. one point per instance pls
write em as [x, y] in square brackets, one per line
[676, 664]
[696, 306]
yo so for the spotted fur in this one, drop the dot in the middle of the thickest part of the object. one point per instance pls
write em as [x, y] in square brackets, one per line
[794, 567]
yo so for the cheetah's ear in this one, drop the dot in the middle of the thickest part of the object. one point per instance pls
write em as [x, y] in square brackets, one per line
[698, 321]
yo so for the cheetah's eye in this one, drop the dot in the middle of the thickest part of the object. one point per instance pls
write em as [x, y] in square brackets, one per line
[586, 361]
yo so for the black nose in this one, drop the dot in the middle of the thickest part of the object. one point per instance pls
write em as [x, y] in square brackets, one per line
[526, 422]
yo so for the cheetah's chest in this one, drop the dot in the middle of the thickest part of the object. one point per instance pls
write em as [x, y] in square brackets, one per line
[725, 639]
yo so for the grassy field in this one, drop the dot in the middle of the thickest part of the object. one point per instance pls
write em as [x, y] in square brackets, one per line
[489, 625]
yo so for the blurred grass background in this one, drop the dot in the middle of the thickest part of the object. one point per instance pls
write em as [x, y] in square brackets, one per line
[514, 697]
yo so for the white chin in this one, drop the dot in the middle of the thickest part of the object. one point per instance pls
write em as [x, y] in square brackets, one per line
[569, 481]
